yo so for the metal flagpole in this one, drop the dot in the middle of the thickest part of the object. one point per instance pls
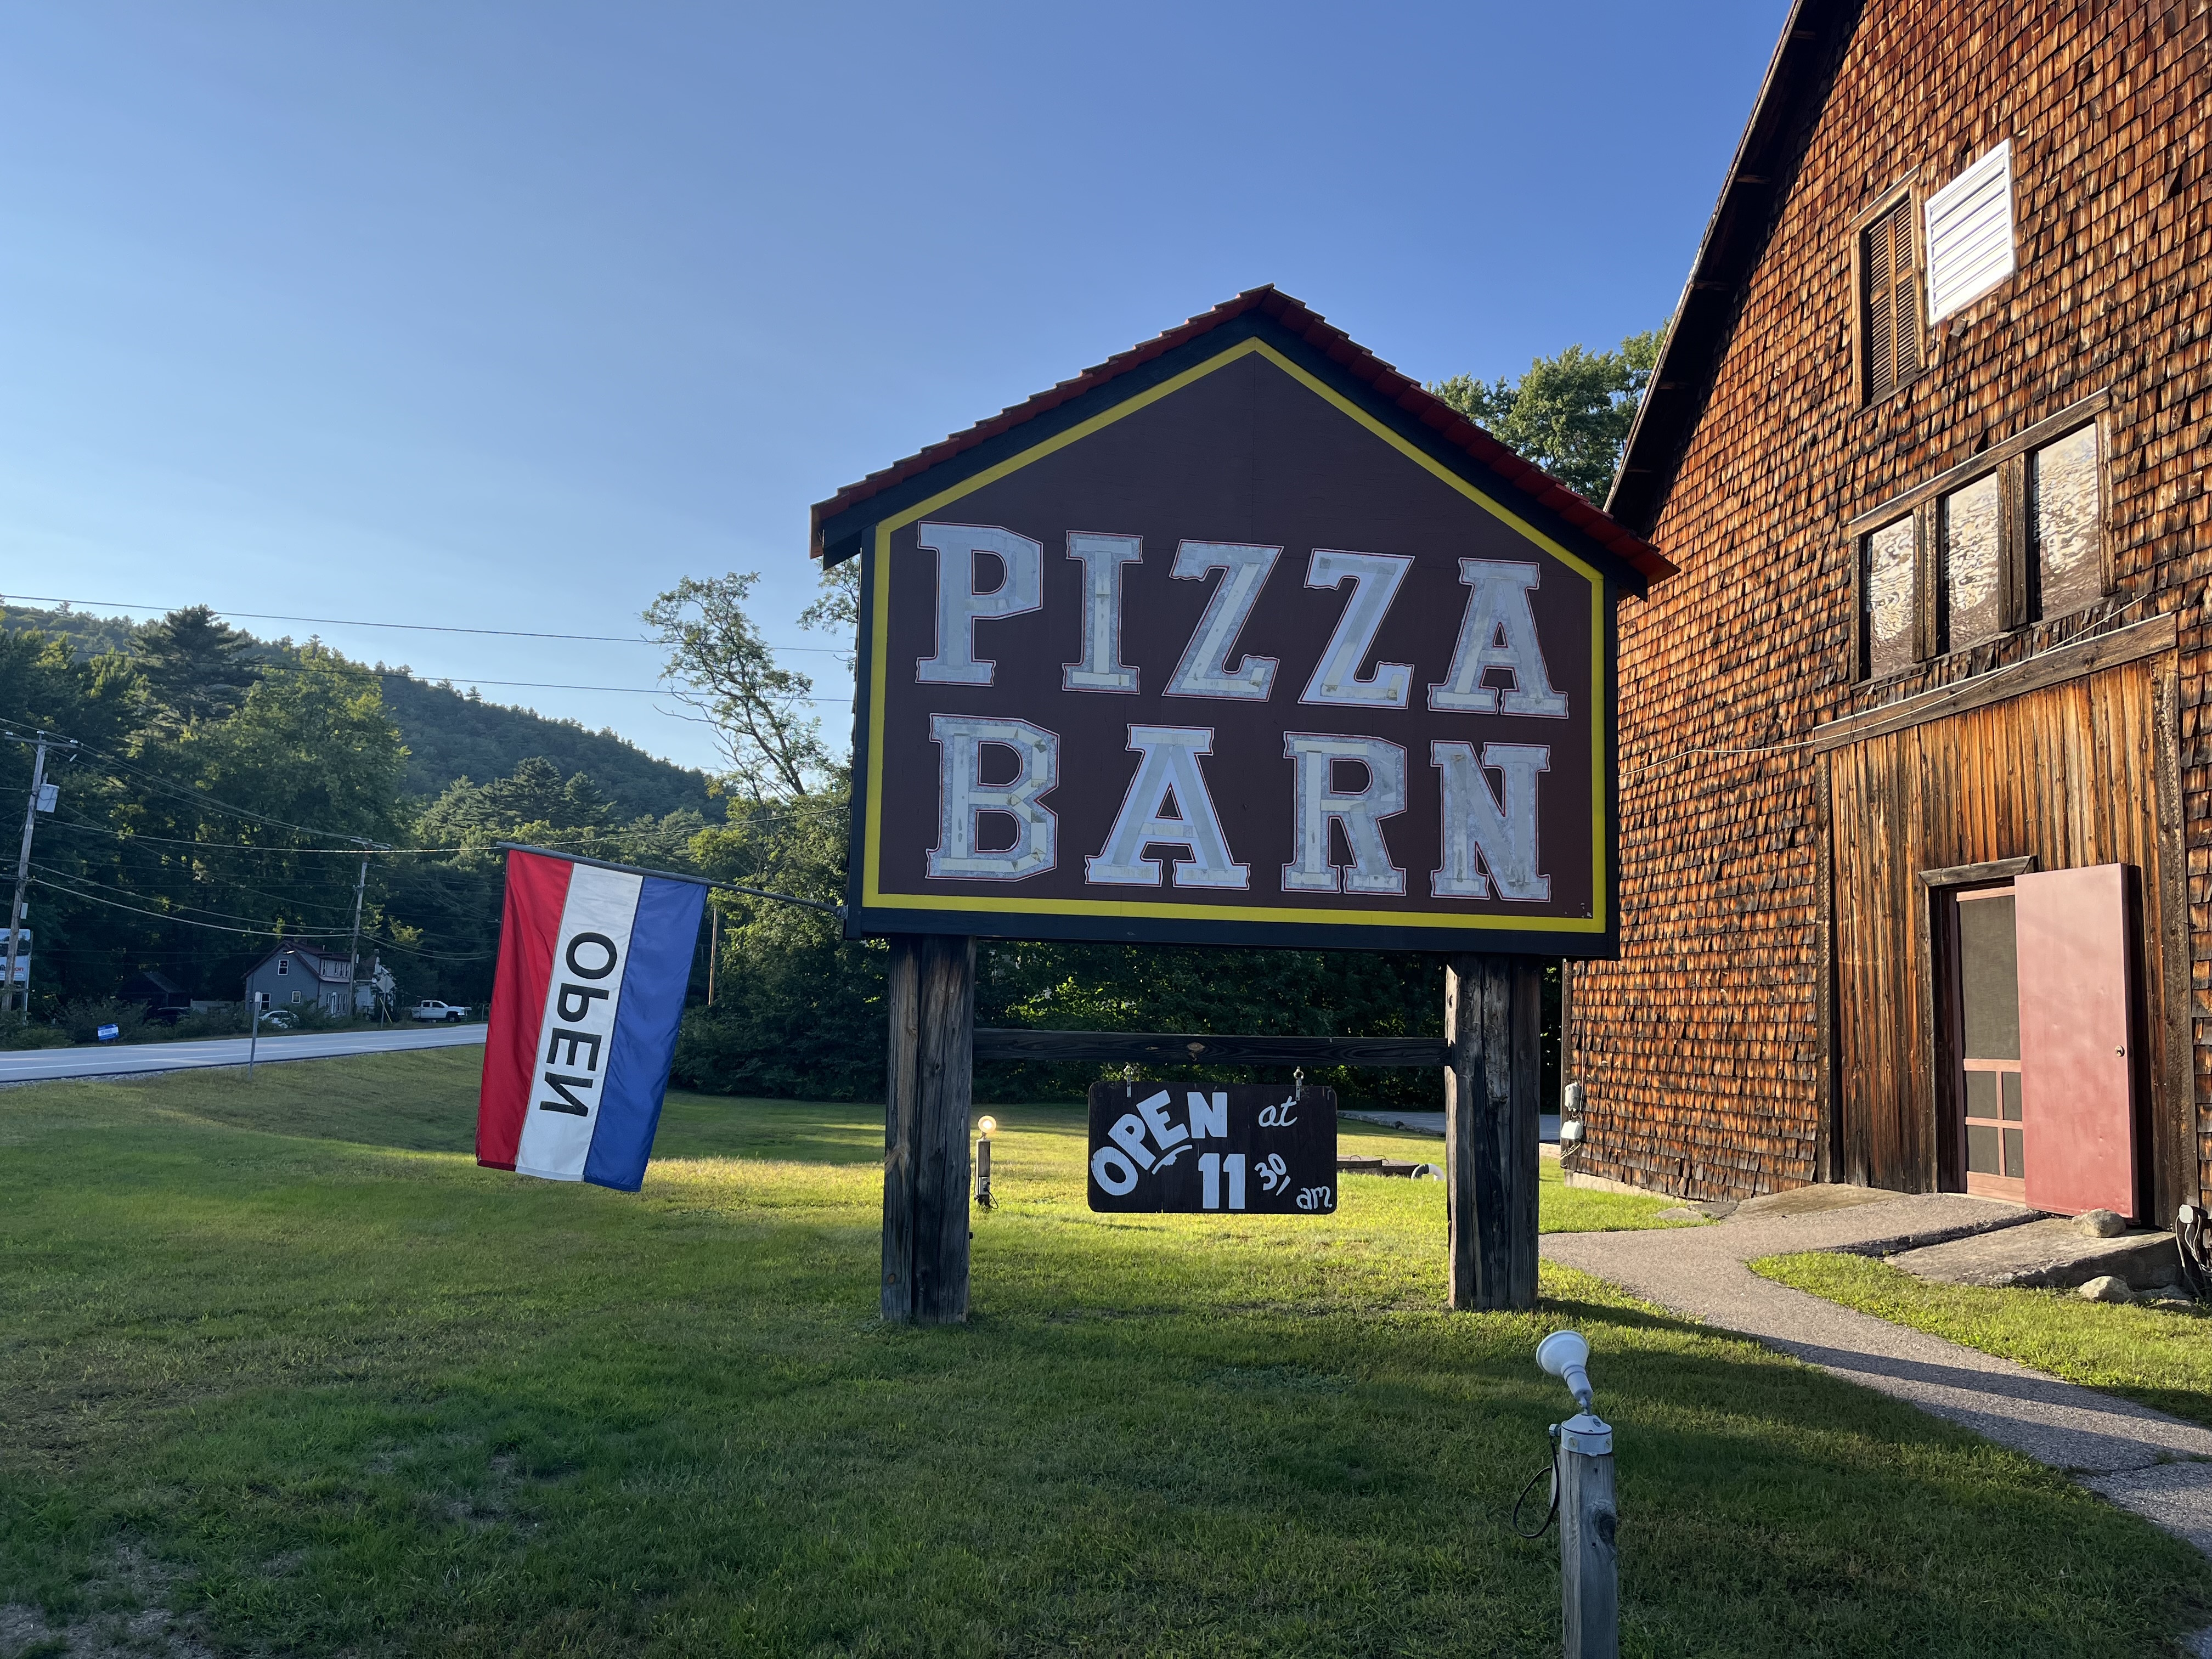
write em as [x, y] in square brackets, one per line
[713, 949]
[23, 879]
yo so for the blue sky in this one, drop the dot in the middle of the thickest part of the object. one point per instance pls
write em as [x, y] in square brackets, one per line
[509, 315]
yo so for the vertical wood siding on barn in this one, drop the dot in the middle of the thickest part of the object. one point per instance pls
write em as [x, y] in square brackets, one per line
[1705, 1049]
[2069, 775]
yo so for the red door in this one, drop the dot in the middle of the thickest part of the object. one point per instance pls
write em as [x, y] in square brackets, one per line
[2077, 1072]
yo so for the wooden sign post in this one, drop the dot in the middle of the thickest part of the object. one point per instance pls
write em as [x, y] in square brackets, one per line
[1240, 638]
[929, 991]
[1493, 1015]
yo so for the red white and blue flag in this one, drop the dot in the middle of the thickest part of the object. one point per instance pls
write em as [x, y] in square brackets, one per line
[593, 961]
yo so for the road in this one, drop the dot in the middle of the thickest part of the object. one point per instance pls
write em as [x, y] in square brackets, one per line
[115, 1058]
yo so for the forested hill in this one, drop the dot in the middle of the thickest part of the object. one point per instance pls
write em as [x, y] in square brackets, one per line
[450, 734]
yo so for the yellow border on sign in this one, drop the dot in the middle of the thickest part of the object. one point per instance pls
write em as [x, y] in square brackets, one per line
[872, 893]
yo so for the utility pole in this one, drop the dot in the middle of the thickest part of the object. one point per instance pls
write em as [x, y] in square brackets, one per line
[23, 879]
[359, 886]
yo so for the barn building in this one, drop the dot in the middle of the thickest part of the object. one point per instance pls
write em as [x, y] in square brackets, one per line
[1916, 809]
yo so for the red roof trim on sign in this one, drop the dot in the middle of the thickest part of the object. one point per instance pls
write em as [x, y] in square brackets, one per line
[1332, 342]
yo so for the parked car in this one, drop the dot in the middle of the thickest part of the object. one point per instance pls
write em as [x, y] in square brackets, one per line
[429, 1010]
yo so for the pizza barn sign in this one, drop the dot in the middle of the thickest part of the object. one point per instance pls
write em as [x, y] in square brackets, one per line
[1233, 640]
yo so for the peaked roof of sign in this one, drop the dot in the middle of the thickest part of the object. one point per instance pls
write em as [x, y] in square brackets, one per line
[1340, 349]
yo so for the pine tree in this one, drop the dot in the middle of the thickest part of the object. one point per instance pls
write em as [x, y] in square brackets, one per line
[193, 665]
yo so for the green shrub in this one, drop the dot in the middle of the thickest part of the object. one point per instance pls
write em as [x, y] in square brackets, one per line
[19, 1035]
[313, 1016]
[227, 1020]
[82, 1019]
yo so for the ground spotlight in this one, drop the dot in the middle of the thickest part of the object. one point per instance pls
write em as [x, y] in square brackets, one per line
[985, 1128]
[1582, 1489]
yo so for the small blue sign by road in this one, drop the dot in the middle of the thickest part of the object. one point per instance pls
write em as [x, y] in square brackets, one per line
[109, 1033]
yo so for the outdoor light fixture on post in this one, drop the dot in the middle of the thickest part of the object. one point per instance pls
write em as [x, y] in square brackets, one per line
[984, 1129]
[1589, 1577]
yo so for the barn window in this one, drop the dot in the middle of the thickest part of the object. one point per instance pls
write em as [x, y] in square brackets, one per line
[1970, 235]
[1889, 302]
[2010, 537]
[1889, 601]
[1973, 590]
[2063, 523]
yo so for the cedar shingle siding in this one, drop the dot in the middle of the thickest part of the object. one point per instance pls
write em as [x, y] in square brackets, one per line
[1766, 1024]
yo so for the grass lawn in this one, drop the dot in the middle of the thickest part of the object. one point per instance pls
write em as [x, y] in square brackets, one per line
[2160, 1356]
[280, 1358]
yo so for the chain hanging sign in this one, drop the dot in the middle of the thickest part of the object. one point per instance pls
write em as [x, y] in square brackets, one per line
[1252, 1149]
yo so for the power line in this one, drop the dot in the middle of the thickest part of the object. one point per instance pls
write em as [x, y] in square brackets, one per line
[452, 682]
[200, 876]
[261, 933]
[158, 915]
[331, 852]
[199, 798]
[109, 887]
[360, 621]
[357, 849]
[431, 956]
[449, 682]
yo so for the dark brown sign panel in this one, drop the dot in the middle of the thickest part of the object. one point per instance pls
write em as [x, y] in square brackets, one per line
[1234, 658]
[1251, 1150]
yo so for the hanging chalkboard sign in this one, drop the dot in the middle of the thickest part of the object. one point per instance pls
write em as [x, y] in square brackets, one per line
[1253, 1150]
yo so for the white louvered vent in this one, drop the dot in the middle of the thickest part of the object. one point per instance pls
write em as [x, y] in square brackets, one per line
[1969, 238]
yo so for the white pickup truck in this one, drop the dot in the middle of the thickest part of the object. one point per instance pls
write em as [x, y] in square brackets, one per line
[427, 1009]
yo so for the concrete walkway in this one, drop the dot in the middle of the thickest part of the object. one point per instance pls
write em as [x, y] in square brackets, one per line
[2142, 1460]
[124, 1059]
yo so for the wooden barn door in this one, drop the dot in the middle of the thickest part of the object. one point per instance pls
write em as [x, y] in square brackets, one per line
[1955, 793]
[2077, 1039]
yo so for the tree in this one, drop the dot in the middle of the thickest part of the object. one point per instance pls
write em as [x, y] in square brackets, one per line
[194, 666]
[312, 745]
[838, 610]
[762, 713]
[1571, 414]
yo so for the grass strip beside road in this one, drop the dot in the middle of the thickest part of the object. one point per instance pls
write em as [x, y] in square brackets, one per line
[279, 1356]
[2162, 1356]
